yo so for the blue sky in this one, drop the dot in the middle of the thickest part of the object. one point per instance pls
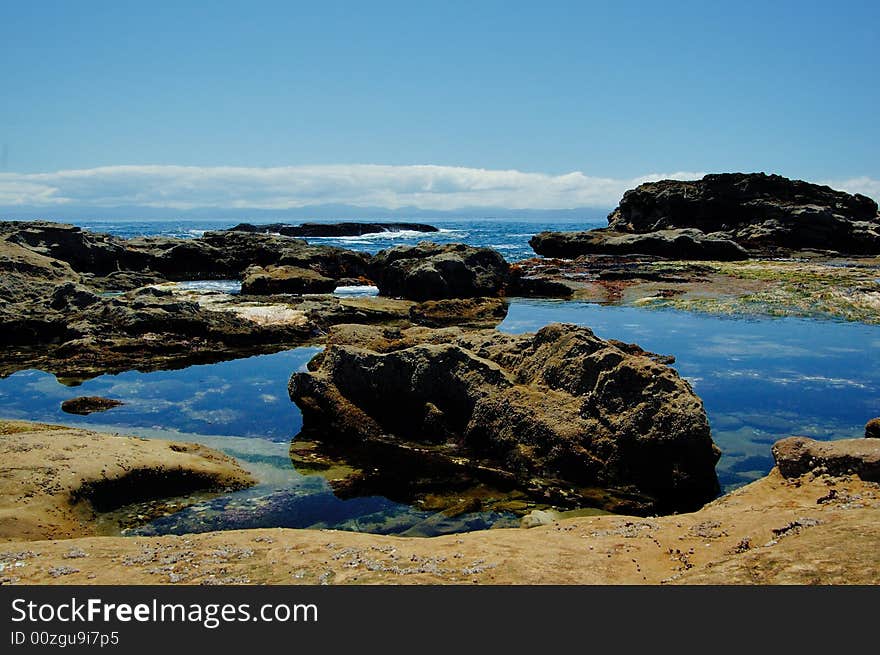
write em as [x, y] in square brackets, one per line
[438, 105]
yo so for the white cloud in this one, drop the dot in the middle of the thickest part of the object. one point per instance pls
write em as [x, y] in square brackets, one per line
[864, 185]
[364, 185]
[392, 187]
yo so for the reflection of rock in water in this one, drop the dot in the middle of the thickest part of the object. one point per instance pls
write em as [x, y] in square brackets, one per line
[290, 509]
[452, 490]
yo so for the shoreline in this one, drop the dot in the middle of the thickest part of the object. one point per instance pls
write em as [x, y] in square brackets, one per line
[757, 534]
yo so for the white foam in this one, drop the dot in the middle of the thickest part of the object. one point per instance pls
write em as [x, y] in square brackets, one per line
[357, 290]
[221, 286]
[379, 236]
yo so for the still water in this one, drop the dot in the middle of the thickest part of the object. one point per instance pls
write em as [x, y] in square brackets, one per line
[760, 379]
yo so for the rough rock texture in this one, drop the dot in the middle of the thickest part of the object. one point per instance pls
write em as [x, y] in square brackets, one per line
[429, 271]
[755, 210]
[554, 412]
[55, 478]
[872, 428]
[670, 243]
[85, 252]
[807, 530]
[523, 284]
[344, 229]
[89, 405]
[796, 456]
[719, 216]
[225, 254]
[459, 311]
[285, 279]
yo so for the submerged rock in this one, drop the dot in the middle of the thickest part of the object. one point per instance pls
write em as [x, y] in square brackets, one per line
[429, 271]
[556, 413]
[285, 279]
[796, 456]
[343, 229]
[84, 405]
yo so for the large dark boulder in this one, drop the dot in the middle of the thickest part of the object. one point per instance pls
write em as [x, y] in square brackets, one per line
[756, 210]
[726, 217]
[558, 412]
[344, 229]
[672, 244]
[430, 271]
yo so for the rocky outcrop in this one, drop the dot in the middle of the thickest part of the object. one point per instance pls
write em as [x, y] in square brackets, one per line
[720, 215]
[556, 413]
[224, 254]
[672, 244]
[872, 429]
[429, 271]
[285, 279]
[487, 312]
[90, 472]
[217, 254]
[524, 283]
[796, 456]
[84, 405]
[756, 211]
[84, 252]
[344, 229]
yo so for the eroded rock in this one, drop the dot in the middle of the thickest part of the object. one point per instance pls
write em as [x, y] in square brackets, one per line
[670, 243]
[796, 456]
[556, 413]
[429, 271]
[285, 279]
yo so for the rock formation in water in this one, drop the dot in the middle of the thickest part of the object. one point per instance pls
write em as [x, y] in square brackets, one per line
[698, 220]
[687, 243]
[78, 303]
[430, 271]
[269, 280]
[84, 405]
[555, 413]
[343, 229]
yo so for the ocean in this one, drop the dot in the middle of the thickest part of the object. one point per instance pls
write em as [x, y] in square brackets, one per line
[760, 378]
[509, 237]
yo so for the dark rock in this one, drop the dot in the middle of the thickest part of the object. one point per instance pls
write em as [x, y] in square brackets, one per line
[756, 211]
[796, 456]
[225, 254]
[669, 243]
[89, 404]
[285, 279]
[429, 271]
[88, 252]
[487, 312]
[535, 286]
[126, 280]
[872, 429]
[344, 229]
[72, 296]
[554, 412]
